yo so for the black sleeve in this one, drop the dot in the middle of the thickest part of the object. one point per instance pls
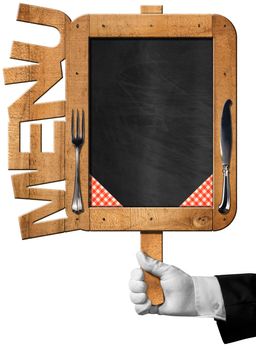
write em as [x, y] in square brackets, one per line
[239, 294]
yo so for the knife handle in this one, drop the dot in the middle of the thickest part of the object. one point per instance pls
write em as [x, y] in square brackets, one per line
[224, 207]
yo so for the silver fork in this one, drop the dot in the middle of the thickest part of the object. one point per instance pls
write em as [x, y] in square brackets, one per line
[78, 141]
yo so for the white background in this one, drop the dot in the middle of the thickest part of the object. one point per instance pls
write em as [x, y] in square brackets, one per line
[69, 291]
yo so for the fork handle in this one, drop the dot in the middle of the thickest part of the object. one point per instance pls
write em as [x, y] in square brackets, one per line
[77, 204]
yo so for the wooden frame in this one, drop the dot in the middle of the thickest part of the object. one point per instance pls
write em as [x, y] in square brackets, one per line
[46, 71]
[194, 26]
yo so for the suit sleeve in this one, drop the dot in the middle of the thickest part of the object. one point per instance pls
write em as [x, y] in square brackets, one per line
[239, 295]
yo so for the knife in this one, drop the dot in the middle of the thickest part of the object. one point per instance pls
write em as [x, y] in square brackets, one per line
[225, 150]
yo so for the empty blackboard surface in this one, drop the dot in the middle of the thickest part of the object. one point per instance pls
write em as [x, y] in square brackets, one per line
[151, 118]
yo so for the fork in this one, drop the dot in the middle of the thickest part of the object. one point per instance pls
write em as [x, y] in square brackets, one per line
[77, 138]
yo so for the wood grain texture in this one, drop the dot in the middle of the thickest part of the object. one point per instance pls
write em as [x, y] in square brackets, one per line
[49, 166]
[148, 219]
[23, 184]
[225, 81]
[171, 219]
[77, 98]
[148, 9]
[152, 245]
[110, 219]
[151, 26]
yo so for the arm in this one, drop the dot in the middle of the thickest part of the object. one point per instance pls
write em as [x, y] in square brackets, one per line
[230, 299]
[239, 294]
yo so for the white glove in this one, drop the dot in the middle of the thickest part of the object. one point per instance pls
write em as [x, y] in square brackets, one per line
[184, 295]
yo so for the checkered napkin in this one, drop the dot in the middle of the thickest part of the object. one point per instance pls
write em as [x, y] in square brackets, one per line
[202, 196]
[99, 196]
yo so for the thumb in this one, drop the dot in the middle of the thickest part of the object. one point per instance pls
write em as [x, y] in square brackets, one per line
[156, 267]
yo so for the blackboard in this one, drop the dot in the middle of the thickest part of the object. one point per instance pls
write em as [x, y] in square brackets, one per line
[151, 118]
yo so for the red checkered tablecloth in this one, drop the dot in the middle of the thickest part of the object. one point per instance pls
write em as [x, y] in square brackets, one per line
[100, 197]
[202, 196]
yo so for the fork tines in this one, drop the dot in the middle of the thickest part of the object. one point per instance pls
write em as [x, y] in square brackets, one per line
[77, 135]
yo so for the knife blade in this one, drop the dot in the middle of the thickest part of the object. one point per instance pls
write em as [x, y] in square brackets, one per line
[225, 150]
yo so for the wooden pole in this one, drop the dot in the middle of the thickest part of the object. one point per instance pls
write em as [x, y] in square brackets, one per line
[155, 9]
[152, 245]
[152, 242]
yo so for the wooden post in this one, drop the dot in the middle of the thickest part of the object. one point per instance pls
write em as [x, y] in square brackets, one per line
[152, 245]
[152, 242]
[155, 9]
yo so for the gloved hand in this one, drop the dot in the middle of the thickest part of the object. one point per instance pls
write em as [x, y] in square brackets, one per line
[184, 295]
[178, 288]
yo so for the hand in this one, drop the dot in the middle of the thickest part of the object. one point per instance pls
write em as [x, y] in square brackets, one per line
[178, 288]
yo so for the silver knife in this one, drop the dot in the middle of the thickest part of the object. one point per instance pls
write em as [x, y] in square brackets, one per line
[225, 150]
